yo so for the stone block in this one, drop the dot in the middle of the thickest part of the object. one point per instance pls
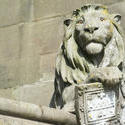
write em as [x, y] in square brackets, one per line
[45, 9]
[19, 60]
[48, 34]
[6, 93]
[119, 8]
[39, 93]
[18, 11]
[9, 56]
[10, 12]
[14, 11]
[105, 2]
[29, 63]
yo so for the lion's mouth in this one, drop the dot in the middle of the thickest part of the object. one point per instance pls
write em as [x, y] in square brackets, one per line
[94, 48]
[96, 41]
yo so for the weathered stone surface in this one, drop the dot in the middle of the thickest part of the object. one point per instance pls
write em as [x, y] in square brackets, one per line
[18, 54]
[14, 12]
[106, 2]
[6, 93]
[39, 93]
[10, 12]
[44, 9]
[48, 34]
[119, 8]
[29, 63]
[6, 120]
[17, 11]
[35, 93]
[47, 66]
[9, 55]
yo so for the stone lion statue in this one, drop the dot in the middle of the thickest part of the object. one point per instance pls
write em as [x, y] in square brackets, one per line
[92, 50]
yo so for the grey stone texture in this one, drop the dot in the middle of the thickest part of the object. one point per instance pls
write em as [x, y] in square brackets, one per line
[37, 93]
[30, 34]
[6, 120]
[14, 12]
[120, 9]
[15, 68]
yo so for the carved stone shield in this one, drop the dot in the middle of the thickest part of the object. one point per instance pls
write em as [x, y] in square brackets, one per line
[97, 105]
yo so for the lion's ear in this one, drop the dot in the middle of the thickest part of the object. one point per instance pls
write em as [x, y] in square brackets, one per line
[117, 18]
[67, 22]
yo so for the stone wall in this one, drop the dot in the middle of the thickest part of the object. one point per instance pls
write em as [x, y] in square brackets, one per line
[30, 34]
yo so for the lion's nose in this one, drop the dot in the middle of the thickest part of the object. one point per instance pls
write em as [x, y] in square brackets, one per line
[90, 29]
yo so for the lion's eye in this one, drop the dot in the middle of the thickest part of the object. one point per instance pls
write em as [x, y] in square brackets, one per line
[102, 18]
[80, 21]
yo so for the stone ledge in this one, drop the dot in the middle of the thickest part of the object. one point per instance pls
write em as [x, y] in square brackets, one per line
[7, 120]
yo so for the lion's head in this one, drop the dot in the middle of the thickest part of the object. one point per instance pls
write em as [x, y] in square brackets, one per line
[93, 30]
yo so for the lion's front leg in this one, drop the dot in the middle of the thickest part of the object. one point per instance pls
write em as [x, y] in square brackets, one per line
[69, 99]
[109, 76]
